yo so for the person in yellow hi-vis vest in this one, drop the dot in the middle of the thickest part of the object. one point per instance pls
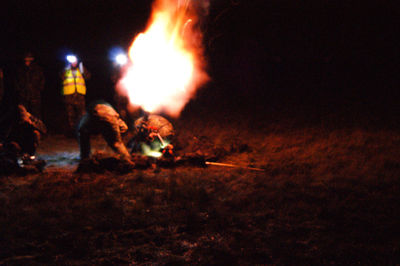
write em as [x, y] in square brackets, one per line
[74, 92]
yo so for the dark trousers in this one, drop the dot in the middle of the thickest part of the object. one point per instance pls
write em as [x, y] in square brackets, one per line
[75, 109]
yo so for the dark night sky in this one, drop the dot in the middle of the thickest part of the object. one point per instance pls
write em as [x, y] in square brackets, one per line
[291, 30]
[254, 47]
[85, 26]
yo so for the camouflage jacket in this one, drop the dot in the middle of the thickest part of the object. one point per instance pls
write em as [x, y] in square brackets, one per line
[104, 112]
[26, 118]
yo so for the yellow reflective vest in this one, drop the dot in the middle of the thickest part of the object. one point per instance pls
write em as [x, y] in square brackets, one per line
[73, 82]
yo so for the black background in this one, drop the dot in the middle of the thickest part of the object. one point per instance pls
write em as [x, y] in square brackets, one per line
[259, 53]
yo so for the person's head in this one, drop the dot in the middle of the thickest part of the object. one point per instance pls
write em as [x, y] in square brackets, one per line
[72, 60]
[29, 58]
[74, 64]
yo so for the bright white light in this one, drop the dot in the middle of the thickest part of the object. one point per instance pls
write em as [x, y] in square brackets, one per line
[72, 59]
[149, 152]
[121, 59]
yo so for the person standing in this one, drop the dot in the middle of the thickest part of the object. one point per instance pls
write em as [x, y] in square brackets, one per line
[74, 92]
[29, 85]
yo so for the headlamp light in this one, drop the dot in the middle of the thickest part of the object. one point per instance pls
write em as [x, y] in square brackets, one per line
[121, 59]
[72, 59]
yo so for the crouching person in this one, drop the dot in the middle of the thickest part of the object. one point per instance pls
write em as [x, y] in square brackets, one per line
[101, 118]
[152, 137]
[21, 138]
[27, 132]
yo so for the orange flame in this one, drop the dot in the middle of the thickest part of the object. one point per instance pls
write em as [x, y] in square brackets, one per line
[166, 60]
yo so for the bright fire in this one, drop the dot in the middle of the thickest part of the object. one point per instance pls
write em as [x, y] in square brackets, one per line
[166, 60]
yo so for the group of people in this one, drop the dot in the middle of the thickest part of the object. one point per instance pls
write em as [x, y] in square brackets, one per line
[28, 83]
[21, 123]
[22, 128]
[21, 104]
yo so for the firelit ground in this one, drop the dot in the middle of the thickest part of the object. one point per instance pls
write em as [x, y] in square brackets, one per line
[327, 196]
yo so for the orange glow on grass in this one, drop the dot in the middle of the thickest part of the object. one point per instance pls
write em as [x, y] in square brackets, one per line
[166, 64]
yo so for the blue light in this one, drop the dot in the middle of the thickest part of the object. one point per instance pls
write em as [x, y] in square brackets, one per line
[118, 56]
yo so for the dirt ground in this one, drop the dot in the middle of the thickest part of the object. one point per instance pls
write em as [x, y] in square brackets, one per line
[62, 153]
[327, 196]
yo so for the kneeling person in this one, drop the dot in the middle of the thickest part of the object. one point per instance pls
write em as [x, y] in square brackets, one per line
[26, 131]
[20, 140]
[152, 136]
[101, 118]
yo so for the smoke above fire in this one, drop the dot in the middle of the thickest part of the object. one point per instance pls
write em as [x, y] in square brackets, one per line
[166, 61]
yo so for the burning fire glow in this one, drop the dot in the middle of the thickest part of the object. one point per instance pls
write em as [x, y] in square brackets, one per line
[166, 65]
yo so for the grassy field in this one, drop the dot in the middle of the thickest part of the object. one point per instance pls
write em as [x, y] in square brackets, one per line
[307, 91]
[327, 196]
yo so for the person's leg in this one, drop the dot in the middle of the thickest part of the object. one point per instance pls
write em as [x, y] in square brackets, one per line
[27, 138]
[69, 110]
[84, 137]
[36, 108]
[79, 110]
[80, 107]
